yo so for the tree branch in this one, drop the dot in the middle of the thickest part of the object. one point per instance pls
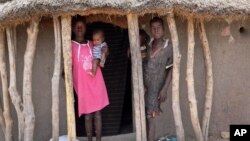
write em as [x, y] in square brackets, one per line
[6, 99]
[56, 79]
[190, 81]
[209, 80]
[29, 114]
[176, 78]
[14, 95]
[67, 55]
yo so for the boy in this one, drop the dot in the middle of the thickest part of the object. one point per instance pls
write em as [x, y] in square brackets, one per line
[157, 78]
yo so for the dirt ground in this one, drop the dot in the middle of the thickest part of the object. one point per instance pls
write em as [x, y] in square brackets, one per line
[123, 137]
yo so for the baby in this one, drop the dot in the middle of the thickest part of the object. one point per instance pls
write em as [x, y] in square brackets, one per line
[98, 54]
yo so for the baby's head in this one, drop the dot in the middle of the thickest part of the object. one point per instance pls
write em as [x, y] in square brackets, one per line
[98, 37]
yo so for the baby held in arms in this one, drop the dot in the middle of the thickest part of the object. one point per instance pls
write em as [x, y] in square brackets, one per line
[98, 51]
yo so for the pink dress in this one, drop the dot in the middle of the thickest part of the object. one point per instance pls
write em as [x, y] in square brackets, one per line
[91, 91]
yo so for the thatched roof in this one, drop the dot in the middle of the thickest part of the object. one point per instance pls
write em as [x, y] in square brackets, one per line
[18, 10]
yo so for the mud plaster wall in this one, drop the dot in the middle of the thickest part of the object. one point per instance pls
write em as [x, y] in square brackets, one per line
[42, 74]
[231, 80]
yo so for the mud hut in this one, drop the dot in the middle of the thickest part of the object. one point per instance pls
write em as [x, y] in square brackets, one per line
[210, 72]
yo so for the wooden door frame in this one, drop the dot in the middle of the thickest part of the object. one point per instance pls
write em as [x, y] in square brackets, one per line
[137, 80]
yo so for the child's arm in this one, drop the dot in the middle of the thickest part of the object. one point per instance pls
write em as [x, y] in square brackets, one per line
[104, 55]
[105, 50]
[163, 93]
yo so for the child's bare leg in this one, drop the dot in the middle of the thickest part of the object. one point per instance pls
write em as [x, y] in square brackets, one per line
[98, 125]
[94, 66]
[89, 125]
[103, 58]
[151, 125]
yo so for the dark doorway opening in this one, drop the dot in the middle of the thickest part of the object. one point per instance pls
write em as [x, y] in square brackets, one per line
[117, 117]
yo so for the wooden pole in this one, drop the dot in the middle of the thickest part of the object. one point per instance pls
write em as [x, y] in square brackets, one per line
[14, 95]
[67, 55]
[175, 78]
[56, 80]
[138, 88]
[2, 47]
[6, 99]
[14, 39]
[29, 114]
[209, 80]
[2, 123]
[190, 82]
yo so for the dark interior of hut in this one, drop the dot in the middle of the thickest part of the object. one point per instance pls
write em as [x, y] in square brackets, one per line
[117, 117]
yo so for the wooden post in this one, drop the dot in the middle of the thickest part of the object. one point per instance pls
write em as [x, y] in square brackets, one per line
[209, 80]
[6, 99]
[56, 80]
[29, 114]
[2, 123]
[14, 95]
[175, 78]
[67, 55]
[2, 46]
[190, 82]
[138, 88]
[2, 61]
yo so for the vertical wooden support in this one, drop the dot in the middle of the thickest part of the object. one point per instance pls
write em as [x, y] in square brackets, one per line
[2, 123]
[175, 78]
[190, 82]
[209, 80]
[56, 79]
[29, 114]
[14, 94]
[2, 61]
[138, 88]
[67, 55]
[6, 99]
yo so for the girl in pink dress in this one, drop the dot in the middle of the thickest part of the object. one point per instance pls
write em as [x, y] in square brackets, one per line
[91, 91]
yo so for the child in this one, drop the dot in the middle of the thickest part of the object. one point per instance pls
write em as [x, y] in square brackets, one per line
[98, 54]
[157, 79]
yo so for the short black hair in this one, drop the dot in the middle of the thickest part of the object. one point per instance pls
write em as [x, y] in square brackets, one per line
[78, 18]
[157, 20]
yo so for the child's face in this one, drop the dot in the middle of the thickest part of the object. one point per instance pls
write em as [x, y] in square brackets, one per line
[98, 39]
[157, 30]
[79, 29]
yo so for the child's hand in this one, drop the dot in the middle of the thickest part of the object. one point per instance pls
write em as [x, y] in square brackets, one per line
[162, 96]
[102, 64]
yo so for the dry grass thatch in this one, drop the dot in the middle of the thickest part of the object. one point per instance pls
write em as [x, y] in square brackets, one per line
[14, 11]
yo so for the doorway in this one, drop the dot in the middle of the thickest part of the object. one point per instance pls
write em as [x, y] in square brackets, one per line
[117, 118]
